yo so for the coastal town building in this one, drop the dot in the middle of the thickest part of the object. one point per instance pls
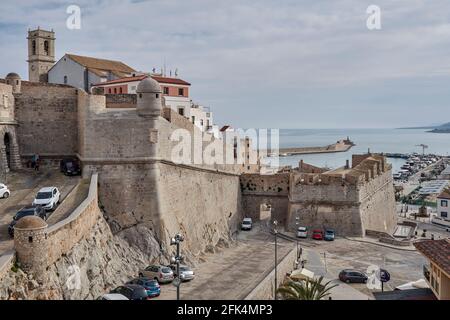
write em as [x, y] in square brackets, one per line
[83, 72]
[437, 273]
[443, 206]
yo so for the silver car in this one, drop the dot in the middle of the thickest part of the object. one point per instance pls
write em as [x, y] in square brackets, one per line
[160, 273]
[186, 273]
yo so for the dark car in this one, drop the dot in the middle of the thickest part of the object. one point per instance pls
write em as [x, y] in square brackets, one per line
[70, 166]
[329, 235]
[352, 276]
[27, 211]
[150, 285]
[132, 291]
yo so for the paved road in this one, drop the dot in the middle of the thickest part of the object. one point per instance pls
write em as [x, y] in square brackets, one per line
[233, 272]
[404, 266]
[23, 186]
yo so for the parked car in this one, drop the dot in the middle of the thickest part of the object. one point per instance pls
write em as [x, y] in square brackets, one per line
[4, 191]
[132, 292]
[247, 224]
[160, 273]
[352, 276]
[186, 273]
[48, 198]
[70, 166]
[302, 232]
[113, 296]
[329, 235]
[26, 211]
[317, 234]
[150, 285]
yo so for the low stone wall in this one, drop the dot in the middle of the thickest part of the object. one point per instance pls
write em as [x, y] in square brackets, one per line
[64, 235]
[395, 242]
[39, 248]
[6, 262]
[265, 289]
[121, 101]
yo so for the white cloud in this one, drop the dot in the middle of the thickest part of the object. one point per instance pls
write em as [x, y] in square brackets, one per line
[257, 57]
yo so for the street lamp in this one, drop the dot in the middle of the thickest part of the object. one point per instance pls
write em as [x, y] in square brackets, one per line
[297, 222]
[175, 241]
[275, 231]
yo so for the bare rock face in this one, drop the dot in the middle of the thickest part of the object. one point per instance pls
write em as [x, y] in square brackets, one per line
[94, 266]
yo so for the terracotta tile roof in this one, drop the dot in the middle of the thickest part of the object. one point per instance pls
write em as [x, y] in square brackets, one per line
[122, 80]
[161, 80]
[101, 65]
[445, 195]
[168, 80]
[437, 251]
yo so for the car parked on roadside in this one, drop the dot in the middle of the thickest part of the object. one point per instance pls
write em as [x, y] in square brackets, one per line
[353, 276]
[70, 166]
[113, 296]
[317, 234]
[48, 198]
[247, 224]
[329, 235]
[132, 292]
[186, 273]
[4, 191]
[160, 273]
[150, 285]
[26, 211]
[302, 232]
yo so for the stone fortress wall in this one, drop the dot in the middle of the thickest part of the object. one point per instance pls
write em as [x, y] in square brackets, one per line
[47, 120]
[348, 200]
[141, 185]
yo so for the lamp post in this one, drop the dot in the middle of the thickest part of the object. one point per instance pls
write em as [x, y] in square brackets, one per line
[297, 219]
[275, 231]
[175, 241]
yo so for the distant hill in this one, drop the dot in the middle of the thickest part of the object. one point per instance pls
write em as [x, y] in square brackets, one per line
[445, 128]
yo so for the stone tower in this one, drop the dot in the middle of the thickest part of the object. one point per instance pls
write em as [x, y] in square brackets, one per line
[30, 242]
[14, 80]
[149, 98]
[41, 54]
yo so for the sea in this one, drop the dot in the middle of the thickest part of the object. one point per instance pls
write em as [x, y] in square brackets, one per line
[404, 141]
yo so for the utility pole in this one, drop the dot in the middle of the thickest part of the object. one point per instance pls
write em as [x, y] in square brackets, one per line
[175, 241]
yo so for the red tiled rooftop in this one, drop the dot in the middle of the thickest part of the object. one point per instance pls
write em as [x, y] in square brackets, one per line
[142, 77]
[438, 251]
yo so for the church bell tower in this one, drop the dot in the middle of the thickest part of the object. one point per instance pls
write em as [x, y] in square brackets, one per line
[41, 54]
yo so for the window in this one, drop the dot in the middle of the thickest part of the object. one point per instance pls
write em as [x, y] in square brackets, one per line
[120, 90]
[157, 96]
[166, 90]
[181, 111]
[34, 47]
[181, 91]
[193, 119]
[115, 90]
[46, 48]
[201, 122]
[65, 80]
[444, 203]
[109, 90]
[444, 214]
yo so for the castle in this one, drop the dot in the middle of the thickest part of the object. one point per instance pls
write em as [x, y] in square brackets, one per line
[130, 150]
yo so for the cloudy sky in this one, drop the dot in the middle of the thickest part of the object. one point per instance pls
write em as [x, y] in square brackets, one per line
[266, 63]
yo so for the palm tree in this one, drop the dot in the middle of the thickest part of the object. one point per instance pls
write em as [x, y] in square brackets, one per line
[305, 290]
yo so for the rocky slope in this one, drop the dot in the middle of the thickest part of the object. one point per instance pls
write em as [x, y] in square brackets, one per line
[103, 261]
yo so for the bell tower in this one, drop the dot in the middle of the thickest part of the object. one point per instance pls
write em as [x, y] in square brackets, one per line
[41, 54]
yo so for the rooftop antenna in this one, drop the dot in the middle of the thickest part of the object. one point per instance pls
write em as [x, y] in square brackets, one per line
[164, 74]
[176, 72]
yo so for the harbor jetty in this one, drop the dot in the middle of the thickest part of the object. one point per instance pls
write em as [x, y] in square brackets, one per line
[340, 146]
